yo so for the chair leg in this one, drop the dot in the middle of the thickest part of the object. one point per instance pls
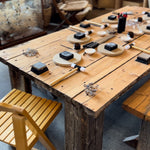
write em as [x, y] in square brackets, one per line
[67, 18]
[132, 140]
[144, 138]
[41, 136]
[20, 132]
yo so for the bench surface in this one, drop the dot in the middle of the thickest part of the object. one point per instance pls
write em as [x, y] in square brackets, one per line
[138, 103]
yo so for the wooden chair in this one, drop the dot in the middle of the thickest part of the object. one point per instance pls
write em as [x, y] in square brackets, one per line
[138, 104]
[24, 118]
[76, 9]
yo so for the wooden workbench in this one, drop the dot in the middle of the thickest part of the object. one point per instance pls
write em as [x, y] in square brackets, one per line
[83, 114]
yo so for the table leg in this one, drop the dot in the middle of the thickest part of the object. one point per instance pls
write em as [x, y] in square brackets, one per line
[82, 131]
[118, 4]
[145, 3]
[144, 138]
[19, 81]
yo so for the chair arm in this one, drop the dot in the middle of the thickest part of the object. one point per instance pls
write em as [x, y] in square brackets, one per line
[11, 108]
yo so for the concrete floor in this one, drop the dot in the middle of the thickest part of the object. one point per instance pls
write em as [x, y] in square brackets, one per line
[118, 124]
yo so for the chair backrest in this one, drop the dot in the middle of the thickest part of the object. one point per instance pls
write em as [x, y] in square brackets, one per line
[24, 118]
[65, 7]
[62, 16]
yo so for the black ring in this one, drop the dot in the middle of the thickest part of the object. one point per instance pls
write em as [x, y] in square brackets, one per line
[76, 66]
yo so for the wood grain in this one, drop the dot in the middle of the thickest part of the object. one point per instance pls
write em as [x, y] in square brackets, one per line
[83, 114]
[17, 105]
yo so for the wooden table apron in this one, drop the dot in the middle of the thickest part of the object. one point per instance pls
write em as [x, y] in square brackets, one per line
[83, 114]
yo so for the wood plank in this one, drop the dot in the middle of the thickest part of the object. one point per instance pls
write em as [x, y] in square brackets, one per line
[25, 105]
[74, 84]
[20, 132]
[132, 103]
[30, 64]
[34, 101]
[38, 106]
[31, 140]
[34, 44]
[38, 58]
[144, 107]
[22, 103]
[25, 99]
[9, 137]
[33, 104]
[110, 89]
[42, 118]
[91, 136]
[18, 81]
[6, 96]
[5, 122]
[11, 97]
[6, 132]
[50, 116]
[18, 100]
[144, 89]
[41, 110]
[137, 105]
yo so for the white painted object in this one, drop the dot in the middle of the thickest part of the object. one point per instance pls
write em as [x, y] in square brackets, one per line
[138, 32]
[126, 38]
[114, 26]
[102, 33]
[129, 13]
[81, 68]
[90, 51]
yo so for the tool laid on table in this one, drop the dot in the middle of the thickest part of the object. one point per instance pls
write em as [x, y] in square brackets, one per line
[132, 45]
[76, 69]
[93, 44]
[76, 47]
[98, 42]
[78, 29]
[97, 24]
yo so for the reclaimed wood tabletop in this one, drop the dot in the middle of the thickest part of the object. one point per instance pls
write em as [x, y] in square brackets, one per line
[114, 76]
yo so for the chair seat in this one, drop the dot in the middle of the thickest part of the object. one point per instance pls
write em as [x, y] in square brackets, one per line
[138, 103]
[73, 5]
[41, 110]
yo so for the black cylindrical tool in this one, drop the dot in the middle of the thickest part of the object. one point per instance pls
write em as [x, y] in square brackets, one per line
[77, 46]
[121, 23]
